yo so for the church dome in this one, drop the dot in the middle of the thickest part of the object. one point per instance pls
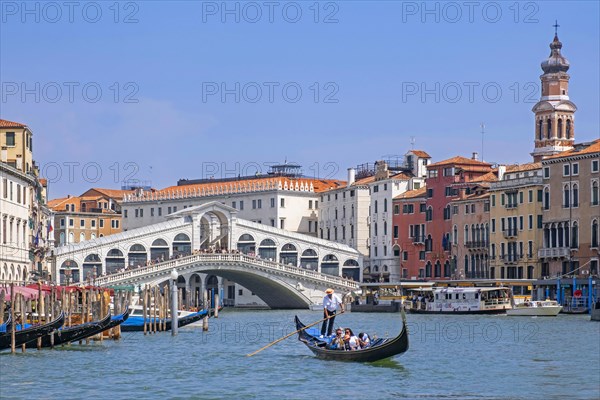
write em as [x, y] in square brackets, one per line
[556, 62]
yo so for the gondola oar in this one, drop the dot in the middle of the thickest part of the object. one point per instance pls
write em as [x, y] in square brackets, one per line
[289, 334]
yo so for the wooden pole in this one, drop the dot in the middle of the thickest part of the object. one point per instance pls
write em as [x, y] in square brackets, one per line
[217, 299]
[287, 336]
[207, 308]
[50, 314]
[2, 296]
[23, 317]
[14, 318]
[145, 307]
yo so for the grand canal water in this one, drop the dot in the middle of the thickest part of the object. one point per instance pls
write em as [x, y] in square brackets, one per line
[450, 357]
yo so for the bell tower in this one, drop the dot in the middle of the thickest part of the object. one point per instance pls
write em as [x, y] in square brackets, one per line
[554, 113]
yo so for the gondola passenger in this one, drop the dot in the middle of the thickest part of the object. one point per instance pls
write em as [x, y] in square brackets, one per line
[364, 340]
[337, 343]
[351, 340]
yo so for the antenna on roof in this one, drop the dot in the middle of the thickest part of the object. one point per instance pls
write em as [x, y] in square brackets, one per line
[482, 134]
[412, 142]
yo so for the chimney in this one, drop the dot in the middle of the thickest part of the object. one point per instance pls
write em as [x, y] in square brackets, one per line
[4, 154]
[351, 176]
[475, 156]
[501, 172]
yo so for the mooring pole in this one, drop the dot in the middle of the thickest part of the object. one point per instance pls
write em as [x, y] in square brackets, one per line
[174, 316]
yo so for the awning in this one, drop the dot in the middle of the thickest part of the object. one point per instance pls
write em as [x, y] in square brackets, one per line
[28, 293]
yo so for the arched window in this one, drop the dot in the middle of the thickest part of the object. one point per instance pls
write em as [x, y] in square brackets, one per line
[466, 233]
[455, 235]
[385, 227]
[428, 269]
[438, 269]
[447, 269]
[309, 259]
[288, 254]
[549, 129]
[595, 233]
[467, 266]
[330, 265]
[540, 130]
[546, 198]
[575, 236]
[246, 244]
[568, 133]
[384, 205]
[595, 193]
[375, 206]
[566, 196]
[559, 128]
[267, 249]
[81, 237]
[575, 195]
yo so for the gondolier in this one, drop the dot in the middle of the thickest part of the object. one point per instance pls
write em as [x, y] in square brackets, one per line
[330, 306]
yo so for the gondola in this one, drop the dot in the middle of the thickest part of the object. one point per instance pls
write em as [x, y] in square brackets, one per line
[32, 333]
[380, 348]
[136, 324]
[5, 327]
[70, 334]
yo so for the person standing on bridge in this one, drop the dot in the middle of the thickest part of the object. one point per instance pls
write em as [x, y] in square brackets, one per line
[330, 306]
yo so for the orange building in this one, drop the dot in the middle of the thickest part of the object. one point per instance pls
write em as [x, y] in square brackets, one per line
[93, 214]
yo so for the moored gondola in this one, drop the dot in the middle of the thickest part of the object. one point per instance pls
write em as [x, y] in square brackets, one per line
[70, 334]
[136, 324]
[380, 348]
[32, 333]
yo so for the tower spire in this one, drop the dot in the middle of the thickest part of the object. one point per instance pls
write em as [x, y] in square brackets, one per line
[555, 112]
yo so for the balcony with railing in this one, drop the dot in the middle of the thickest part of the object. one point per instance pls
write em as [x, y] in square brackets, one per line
[511, 205]
[553, 252]
[419, 239]
[477, 245]
[510, 233]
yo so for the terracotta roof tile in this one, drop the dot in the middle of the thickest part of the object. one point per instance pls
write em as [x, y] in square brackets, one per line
[411, 194]
[10, 124]
[248, 186]
[112, 193]
[420, 153]
[579, 149]
[460, 160]
[523, 167]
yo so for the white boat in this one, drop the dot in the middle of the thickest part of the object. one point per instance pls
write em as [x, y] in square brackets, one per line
[546, 308]
[461, 300]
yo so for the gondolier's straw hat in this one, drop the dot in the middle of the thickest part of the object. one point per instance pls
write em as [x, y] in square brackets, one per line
[329, 291]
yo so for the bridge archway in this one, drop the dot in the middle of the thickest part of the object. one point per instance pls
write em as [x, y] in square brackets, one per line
[92, 266]
[115, 260]
[246, 244]
[310, 260]
[182, 245]
[275, 293]
[137, 255]
[268, 249]
[159, 250]
[351, 270]
[330, 265]
[195, 284]
[288, 254]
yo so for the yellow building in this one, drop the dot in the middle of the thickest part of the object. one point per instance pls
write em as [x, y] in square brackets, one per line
[516, 222]
[16, 143]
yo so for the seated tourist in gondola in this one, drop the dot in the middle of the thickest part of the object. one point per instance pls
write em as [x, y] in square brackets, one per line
[364, 340]
[337, 343]
[350, 340]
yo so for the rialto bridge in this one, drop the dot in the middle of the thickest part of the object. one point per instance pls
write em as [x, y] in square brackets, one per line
[212, 249]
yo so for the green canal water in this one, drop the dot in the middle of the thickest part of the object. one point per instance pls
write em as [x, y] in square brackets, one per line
[450, 357]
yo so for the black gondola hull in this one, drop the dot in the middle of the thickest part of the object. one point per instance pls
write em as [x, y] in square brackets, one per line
[81, 331]
[388, 347]
[27, 335]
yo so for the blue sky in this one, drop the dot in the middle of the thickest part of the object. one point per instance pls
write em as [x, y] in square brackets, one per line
[192, 89]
